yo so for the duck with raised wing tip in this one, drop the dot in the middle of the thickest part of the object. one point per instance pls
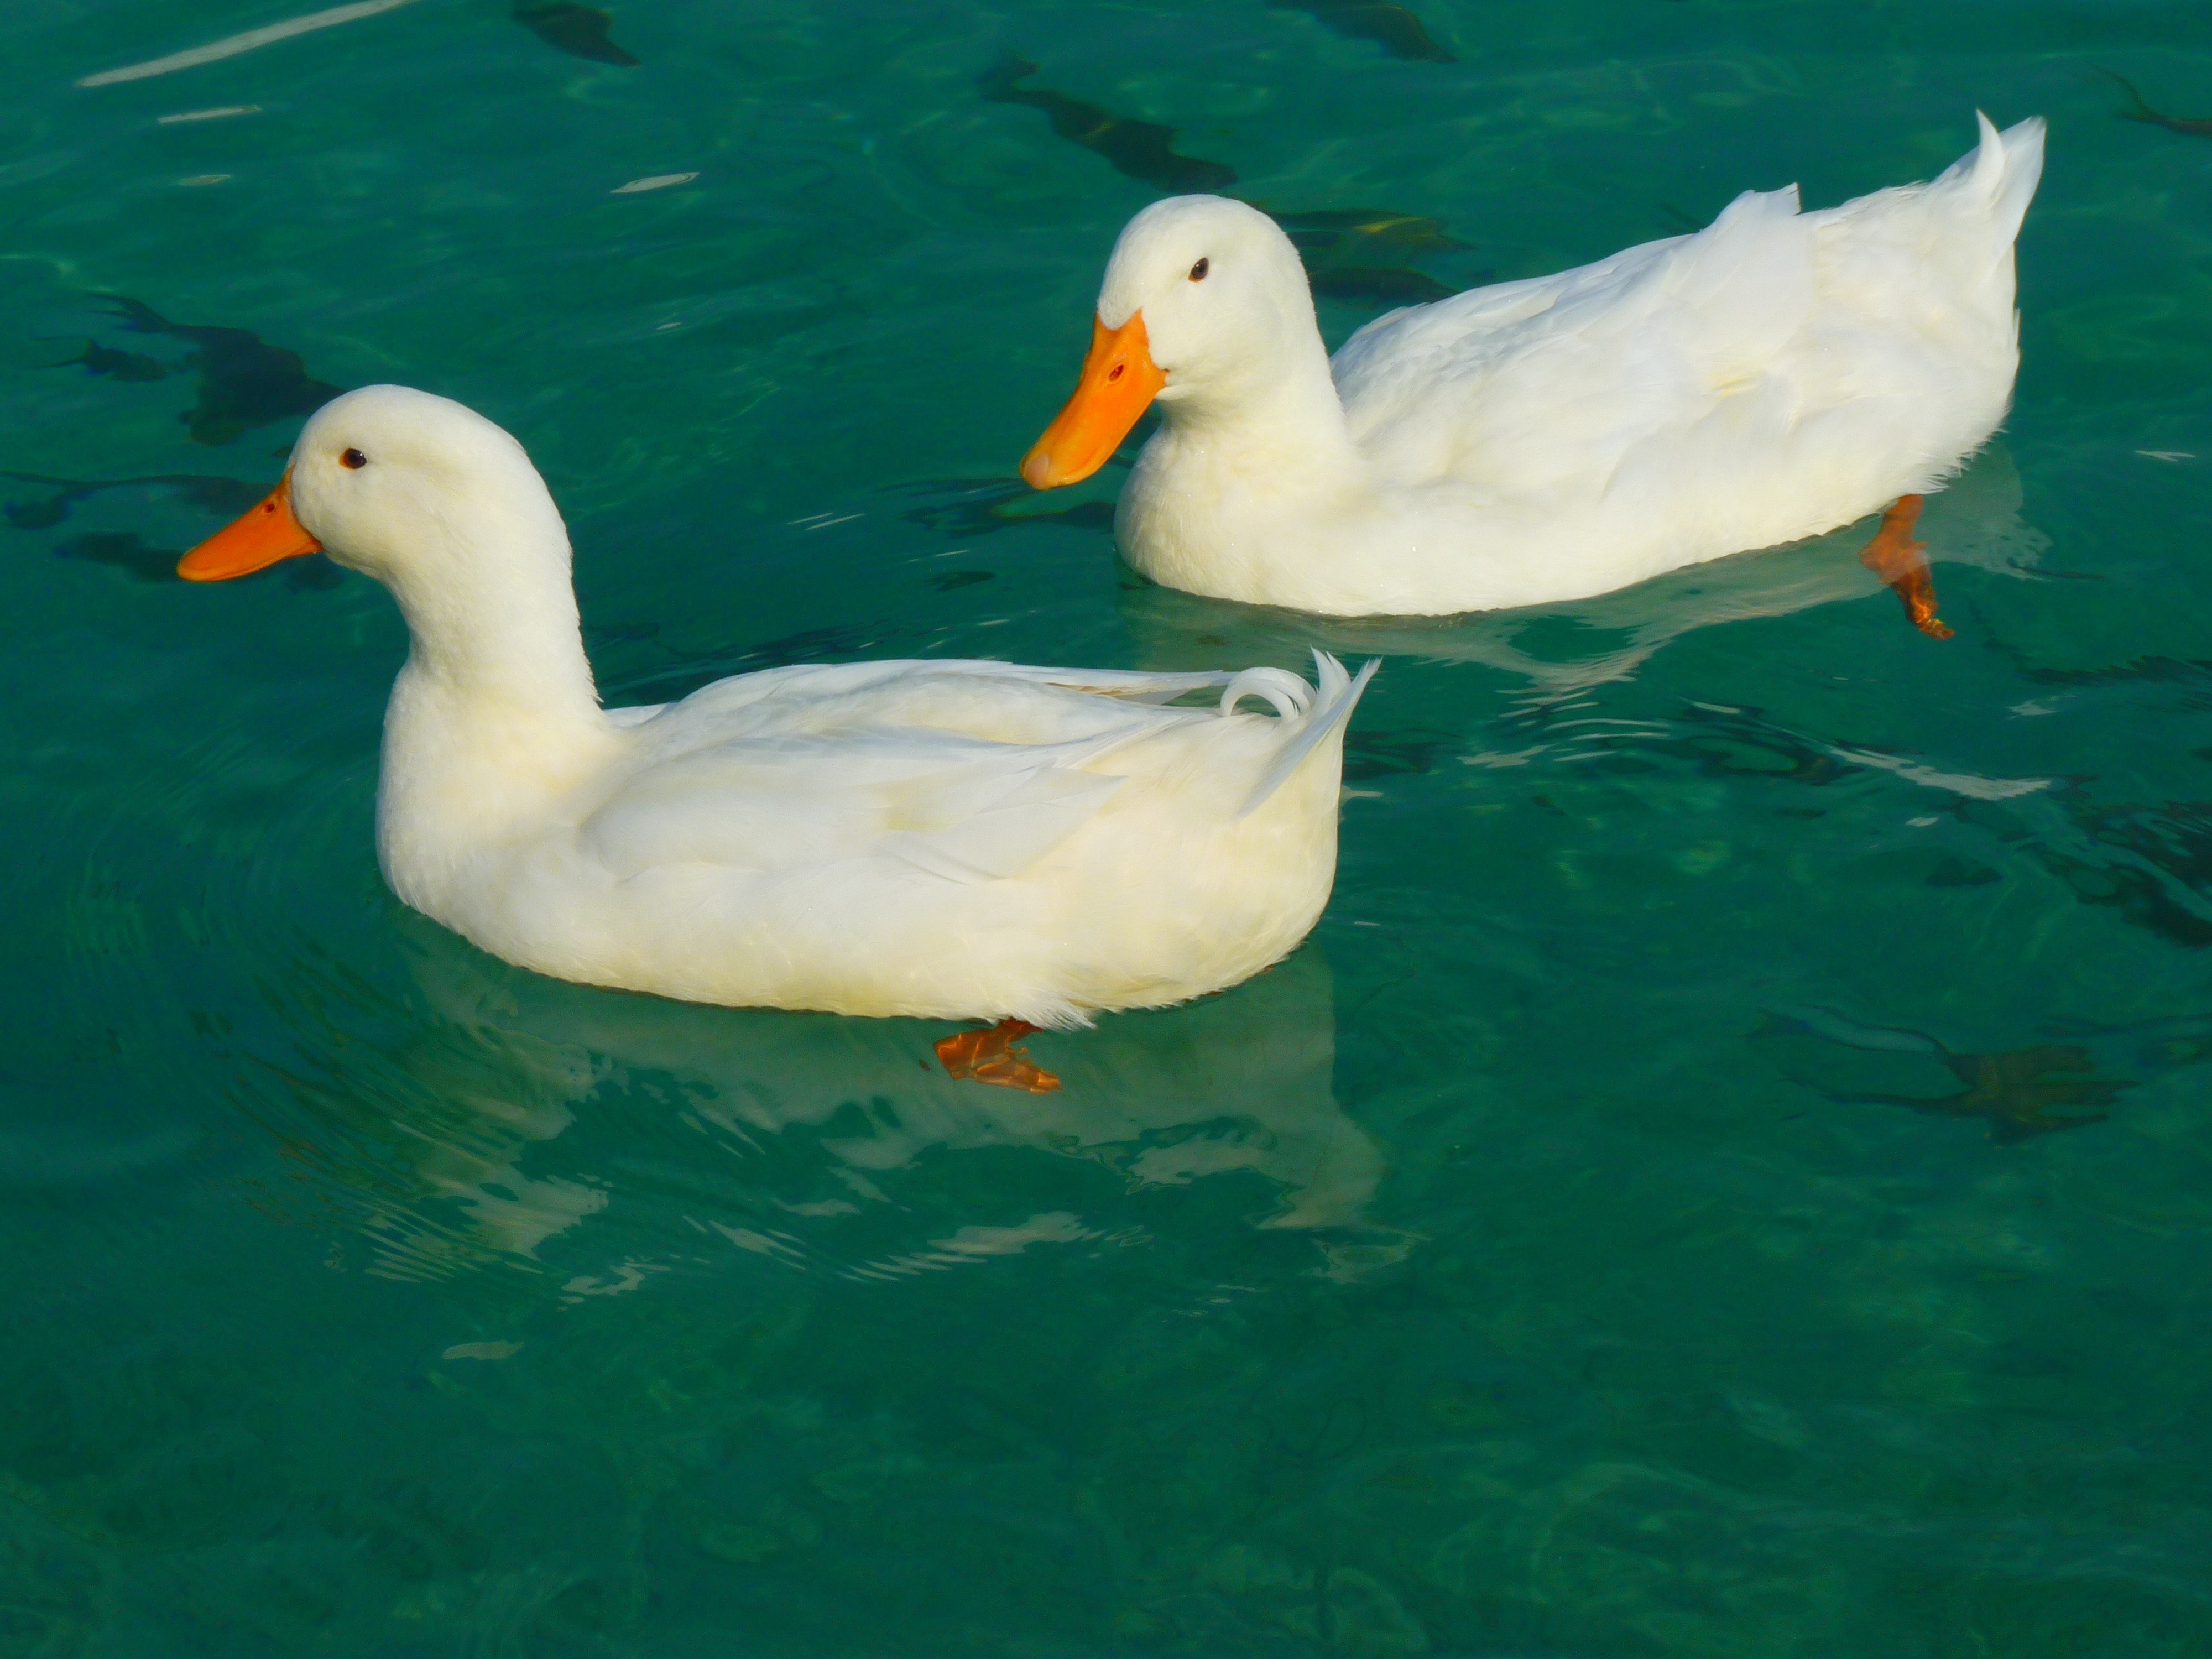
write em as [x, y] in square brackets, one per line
[940, 839]
[1775, 375]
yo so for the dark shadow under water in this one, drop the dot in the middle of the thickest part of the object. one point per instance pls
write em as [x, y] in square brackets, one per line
[243, 381]
[1396, 30]
[1143, 150]
[580, 30]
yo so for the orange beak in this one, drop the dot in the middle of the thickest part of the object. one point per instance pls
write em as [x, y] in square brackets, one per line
[1119, 382]
[264, 536]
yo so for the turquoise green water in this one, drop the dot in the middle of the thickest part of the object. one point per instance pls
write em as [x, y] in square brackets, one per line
[1729, 1175]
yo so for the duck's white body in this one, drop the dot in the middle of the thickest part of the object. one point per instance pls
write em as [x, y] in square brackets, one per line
[931, 838]
[949, 839]
[1773, 376]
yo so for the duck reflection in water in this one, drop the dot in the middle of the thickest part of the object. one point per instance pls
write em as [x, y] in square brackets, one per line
[440, 1147]
[1560, 652]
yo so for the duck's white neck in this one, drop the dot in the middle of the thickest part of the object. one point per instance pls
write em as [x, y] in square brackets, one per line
[1279, 403]
[1241, 462]
[494, 719]
[493, 630]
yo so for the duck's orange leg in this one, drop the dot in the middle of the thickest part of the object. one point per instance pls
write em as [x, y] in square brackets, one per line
[995, 1056]
[1902, 564]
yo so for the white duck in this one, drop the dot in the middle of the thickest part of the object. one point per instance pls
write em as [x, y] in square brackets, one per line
[1773, 376]
[942, 839]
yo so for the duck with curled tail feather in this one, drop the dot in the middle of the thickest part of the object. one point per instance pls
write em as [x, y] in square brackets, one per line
[948, 839]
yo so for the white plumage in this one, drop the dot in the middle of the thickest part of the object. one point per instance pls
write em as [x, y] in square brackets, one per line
[947, 839]
[1773, 376]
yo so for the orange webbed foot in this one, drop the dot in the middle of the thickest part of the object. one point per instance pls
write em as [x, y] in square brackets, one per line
[1902, 564]
[995, 1056]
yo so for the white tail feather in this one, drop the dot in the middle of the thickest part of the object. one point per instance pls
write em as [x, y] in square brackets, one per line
[1290, 695]
[2004, 171]
[1336, 695]
[2023, 171]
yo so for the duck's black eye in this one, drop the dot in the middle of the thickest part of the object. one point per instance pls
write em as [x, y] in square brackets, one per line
[353, 458]
[1198, 272]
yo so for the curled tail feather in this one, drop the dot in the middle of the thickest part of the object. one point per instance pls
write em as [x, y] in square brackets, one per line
[1336, 694]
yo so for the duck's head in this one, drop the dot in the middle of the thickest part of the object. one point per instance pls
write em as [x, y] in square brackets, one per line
[1204, 300]
[417, 491]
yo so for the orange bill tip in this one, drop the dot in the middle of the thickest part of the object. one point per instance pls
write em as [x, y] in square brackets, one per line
[1119, 382]
[264, 536]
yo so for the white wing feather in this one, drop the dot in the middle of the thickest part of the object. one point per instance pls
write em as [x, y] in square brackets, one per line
[965, 771]
[1701, 353]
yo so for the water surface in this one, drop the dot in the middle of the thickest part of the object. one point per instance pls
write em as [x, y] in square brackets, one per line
[1728, 1177]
